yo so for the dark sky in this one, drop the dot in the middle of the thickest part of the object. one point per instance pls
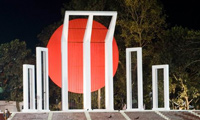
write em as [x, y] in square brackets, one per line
[25, 19]
[184, 13]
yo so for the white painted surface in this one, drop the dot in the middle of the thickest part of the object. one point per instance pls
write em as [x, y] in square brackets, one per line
[42, 74]
[87, 65]
[139, 78]
[109, 90]
[64, 63]
[86, 59]
[29, 87]
[155, 86]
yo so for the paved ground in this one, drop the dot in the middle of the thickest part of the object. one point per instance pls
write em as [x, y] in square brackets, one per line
[106, 116]
[102, 115]
[182, 115]
[144, 116]
[1, 116]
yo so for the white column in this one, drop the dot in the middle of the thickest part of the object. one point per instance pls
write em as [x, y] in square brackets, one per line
[42, 76]
[166, 87]
[109, 65]
[128, 80]
[155, 86]
[46, 79]
[139, 78]
[64, 65]
[87, 65]
[29, 87]
[39, 79]
[32, 86]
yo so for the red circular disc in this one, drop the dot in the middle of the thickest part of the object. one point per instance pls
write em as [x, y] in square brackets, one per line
[75, 55]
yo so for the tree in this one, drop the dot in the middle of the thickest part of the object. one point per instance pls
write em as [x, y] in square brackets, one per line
[12, 56]
[179, 48]
[141, 21]
[141, 24]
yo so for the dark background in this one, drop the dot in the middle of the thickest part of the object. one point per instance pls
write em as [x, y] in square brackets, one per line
[183, 13]
[25, 19]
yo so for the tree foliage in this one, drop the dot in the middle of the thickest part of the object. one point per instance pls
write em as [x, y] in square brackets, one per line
[179, 49]
[12, 56]
[141, 21]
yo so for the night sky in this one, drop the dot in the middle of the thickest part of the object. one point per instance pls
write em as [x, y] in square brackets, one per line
[184, 13]
[25, 19]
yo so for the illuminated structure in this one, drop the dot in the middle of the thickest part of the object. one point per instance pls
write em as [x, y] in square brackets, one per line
[29, 87]
[155, 69]
[129, 78]
[42, 64]
[42, 79]
[42, 56]
[76, 34]
[86, 59]
[42, 83]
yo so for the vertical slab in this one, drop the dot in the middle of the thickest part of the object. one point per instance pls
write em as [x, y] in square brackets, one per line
[87, 65]
[42, 79]
[64, 62]
[139, 78]
[128, 80]
[31, 71]
[166, 87]
[155, 86]
[109, 103]
[29, 87]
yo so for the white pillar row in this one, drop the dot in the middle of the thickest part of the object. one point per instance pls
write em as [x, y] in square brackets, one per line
[86, 58]
[42, 79]
[155, 86]
[29, 87]
[139, 78]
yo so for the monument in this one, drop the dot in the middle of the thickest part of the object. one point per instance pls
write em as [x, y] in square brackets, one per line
[86, 45]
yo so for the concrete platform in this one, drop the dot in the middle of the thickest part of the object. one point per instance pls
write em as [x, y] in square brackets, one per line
[144, 115]
[180, 115]
[108, 115]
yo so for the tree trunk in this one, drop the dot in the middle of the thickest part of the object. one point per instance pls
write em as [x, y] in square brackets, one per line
[17, 106]
[186, 103]
[99, 98]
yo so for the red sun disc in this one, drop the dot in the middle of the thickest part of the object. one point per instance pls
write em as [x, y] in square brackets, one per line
[75, 55]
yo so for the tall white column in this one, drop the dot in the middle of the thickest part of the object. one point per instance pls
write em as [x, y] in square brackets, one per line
[29, 87]
[87, 65]
[155, 86]
[166, 87]
[128, 80]
[42, 77]
[109, 103]
[139, 78]
[64, 65]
